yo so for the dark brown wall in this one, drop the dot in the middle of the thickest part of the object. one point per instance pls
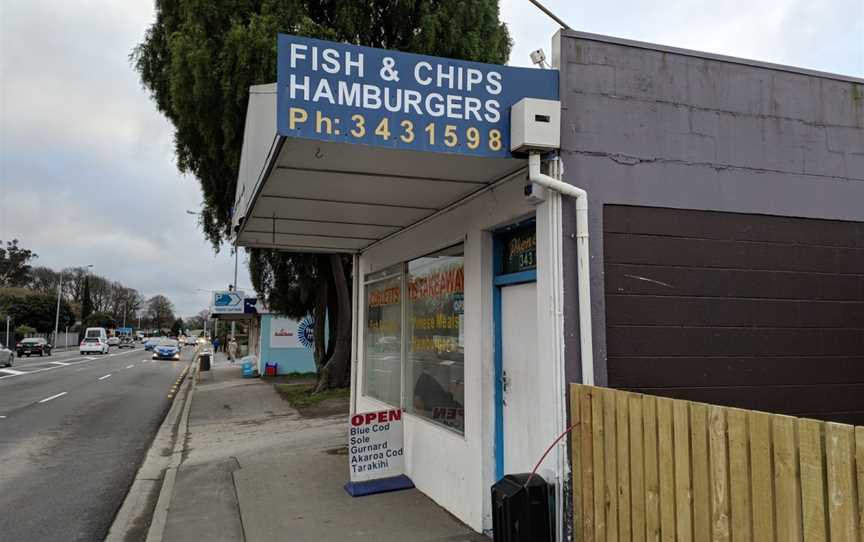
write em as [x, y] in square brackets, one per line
[759, 312]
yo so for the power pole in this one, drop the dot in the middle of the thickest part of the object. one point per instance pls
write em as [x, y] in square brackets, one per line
[57, 317]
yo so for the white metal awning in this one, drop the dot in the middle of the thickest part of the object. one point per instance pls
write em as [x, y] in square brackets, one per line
[320, 196]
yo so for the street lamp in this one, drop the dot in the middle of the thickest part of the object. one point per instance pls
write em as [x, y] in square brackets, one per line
[236, 251]
[209, 315]
[60, 291]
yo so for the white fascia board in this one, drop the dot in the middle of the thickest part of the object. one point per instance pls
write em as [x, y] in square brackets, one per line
[260, 144]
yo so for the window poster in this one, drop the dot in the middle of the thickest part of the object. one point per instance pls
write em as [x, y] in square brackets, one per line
[383, 343]
[436, 290]
[284, 333]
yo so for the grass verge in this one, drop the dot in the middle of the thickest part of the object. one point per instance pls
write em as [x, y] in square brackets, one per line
[300, 395]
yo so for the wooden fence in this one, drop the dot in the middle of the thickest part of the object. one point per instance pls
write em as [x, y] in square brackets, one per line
[649, 468]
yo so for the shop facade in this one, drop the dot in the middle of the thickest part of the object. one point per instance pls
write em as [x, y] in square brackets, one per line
[726, 215]
[725, 212]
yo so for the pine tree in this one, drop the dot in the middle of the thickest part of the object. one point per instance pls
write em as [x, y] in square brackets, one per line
[86, 301]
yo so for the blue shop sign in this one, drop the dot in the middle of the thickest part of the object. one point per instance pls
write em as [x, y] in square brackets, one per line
[338, 92]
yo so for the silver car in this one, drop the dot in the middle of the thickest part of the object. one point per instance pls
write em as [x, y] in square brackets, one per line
[7, 357]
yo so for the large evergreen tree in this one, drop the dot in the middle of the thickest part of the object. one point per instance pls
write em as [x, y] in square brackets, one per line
[36, 310]
[15, 264]
[198, 60]
[86, 300]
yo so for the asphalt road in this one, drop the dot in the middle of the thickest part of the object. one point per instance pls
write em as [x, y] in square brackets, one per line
[73, 432]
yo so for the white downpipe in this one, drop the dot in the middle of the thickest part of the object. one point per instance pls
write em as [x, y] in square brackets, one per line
[584, 278]
[355, 329]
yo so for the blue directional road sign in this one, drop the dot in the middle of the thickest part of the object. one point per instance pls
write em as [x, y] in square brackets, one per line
[227, 302]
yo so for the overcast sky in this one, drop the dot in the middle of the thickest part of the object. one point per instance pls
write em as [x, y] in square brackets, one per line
[87, 171]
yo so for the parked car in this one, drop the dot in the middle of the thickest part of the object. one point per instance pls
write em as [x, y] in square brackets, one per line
[33, 346]
[126, 342]
[113, 341]
[7, 357]
[167, 349]
[93, 344]
[150, 343]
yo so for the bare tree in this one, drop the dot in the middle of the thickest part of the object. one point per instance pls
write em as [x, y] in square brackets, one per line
[100, 293]
[161, 311]
[124, 303]
[73, 283]
[43, 280]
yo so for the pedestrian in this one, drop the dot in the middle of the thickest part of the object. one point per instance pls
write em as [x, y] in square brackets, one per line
[232, 349]
[215, 344]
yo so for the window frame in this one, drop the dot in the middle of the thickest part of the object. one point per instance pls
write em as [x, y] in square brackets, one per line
[386, 273]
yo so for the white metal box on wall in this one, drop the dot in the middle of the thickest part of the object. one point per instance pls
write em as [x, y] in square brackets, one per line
[535, 125]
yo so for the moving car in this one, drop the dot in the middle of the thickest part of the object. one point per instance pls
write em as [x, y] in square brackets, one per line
[113, 341]
[126, 342]
[93, 344]
[7, 357]
[191, 341]
[150, 343]
[33, 346]
[96, 333]
[167, 349]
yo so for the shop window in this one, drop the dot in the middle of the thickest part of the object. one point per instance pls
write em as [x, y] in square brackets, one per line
[435, 338]
[383, 341]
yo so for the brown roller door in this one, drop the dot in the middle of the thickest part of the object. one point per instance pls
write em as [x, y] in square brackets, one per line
[758, 312]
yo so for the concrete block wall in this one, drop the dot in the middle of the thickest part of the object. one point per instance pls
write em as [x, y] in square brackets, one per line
[638, 104]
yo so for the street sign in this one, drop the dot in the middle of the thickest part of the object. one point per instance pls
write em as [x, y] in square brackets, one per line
[340, 92]
[227, 302]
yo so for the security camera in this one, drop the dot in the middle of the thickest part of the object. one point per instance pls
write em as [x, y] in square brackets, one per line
[534, 193]
[538, 57]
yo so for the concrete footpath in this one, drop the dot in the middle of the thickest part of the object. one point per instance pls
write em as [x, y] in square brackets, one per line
[252, 468]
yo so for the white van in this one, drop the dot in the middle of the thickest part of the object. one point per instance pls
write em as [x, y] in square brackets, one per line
[95, 340]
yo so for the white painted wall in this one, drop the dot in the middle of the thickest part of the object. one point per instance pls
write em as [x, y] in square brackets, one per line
[454, 470]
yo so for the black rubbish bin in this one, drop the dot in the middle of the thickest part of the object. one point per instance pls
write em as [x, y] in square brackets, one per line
[204, 361]
[523, 509]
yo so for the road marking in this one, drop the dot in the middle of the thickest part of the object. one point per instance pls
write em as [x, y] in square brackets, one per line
[61, 394]
[129, 366]
[104, 377]
[12, 373]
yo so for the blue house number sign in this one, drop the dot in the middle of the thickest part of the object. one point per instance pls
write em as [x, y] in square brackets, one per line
[337, 92]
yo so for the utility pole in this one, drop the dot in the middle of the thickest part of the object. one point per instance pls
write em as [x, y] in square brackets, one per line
[8, 321]
[233, 323]
[57, 316]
